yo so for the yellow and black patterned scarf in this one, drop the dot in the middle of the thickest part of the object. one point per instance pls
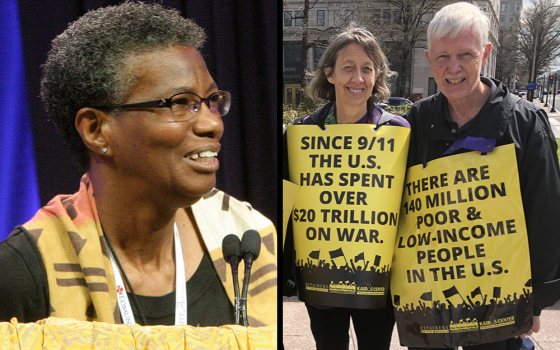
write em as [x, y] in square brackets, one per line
[79, 271]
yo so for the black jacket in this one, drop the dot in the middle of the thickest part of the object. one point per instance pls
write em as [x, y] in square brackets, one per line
[507, 119]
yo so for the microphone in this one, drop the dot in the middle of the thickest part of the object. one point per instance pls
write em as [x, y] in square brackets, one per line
[231, 249]
[250, 249]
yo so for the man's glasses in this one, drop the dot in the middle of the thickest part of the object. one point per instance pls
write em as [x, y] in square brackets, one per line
[184, 105]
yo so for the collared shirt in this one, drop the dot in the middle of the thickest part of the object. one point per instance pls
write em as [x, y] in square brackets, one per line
[490, 123]
[471, 143]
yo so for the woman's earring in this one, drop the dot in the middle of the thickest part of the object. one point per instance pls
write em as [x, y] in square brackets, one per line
[105, 150]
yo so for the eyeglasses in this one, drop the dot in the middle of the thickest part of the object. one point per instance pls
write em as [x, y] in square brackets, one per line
[184, 105]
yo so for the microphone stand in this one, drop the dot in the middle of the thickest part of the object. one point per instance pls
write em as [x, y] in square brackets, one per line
[250, 249]
[234, 263]
[243, 301]
[231, 249]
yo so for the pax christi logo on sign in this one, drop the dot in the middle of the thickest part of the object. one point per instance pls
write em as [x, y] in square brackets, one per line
[120, 290]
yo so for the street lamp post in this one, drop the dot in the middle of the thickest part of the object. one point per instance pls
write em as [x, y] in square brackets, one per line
[547, 92]
[542, 91]
[553, 95]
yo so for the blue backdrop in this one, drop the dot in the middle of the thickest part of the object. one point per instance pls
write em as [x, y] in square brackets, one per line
[19, 193]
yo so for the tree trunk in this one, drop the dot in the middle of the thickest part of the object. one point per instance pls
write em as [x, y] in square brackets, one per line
[405, 74]
[304, 41]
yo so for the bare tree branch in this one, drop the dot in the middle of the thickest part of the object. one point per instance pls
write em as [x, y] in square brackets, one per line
[508, 59]
[539, 37]
[402, 33]
[311, 36]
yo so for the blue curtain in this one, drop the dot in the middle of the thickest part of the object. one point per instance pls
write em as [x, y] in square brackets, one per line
[19, 193]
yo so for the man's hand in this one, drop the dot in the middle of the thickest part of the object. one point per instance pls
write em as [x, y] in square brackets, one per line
[535, 329]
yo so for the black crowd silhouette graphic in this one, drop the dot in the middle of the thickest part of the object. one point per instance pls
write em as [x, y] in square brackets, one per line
[501, 315]
[314, 264]
[460, 313]
[340, 275]
[340, 270]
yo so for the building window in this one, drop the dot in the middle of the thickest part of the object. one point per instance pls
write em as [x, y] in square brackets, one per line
[398, 16]
[292, 53]
[386, 16]
[320, 17]
[510, 18]
[502, 18]
[376, 16]
[299, 16]
[287, 19]
[517, 6]
[289, 94]
[319, 51]
[503, 7]
[348, 16]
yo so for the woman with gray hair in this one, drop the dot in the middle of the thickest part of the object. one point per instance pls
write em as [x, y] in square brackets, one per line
[140, 242]
[352, 77]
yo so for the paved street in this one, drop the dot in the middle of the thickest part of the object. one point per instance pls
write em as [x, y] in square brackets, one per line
[297, 335]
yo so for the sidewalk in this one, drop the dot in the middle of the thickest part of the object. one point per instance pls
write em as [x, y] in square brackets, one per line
[553, 117]
[297, 334]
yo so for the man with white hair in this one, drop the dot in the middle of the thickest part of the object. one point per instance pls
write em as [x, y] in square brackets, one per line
[475, 113]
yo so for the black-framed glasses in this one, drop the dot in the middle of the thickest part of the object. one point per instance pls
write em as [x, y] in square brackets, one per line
[183, 105]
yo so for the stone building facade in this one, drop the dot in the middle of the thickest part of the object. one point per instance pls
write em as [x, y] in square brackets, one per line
[327, 17]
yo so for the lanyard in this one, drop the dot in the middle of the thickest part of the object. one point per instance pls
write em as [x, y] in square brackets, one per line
[180, 287]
